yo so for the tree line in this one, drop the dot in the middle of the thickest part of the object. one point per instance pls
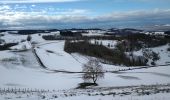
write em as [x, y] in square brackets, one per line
[106, 55]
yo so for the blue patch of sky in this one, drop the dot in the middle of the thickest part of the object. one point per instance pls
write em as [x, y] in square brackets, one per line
[98, 7]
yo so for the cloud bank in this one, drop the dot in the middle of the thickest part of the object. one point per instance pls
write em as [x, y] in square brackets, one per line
[10, 18]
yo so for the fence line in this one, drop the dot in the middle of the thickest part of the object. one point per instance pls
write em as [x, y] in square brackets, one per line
[23, 90]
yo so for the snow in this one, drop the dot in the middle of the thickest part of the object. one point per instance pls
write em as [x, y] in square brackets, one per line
[84, 59]
[13, 38]
[36, 79]
[145, 76]
[22, 46]
[18, 38]
[21, 70]
[54, 57]
[5, 54]
[37, 38]
[94, 33]
[105, 43]
[30, 75]
[159, 96]
[163, 53]
[136, 93]
[63, 61]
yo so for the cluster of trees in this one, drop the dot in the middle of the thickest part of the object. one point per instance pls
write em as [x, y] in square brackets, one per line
[138, 41]
[54, 37]
[64, 36]
[7, 46]
[70, 33]
[106, 55]
[49, 37]
[168, 49]
[134, 42]
[28, 32]
[149, 54]
[127, 56]
[167, 32]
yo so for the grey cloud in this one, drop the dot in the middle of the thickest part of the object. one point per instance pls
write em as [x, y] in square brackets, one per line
[77, 19]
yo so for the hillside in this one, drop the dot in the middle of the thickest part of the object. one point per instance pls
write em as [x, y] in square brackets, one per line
[21, 68]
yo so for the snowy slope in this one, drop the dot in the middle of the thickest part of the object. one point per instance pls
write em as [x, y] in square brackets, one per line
[163, 53]
[36, 79]
[9, 38]
[54, 57]
[22, 46]
[36, 38]
[18, 38]
[154, 75]
[30, 75]
[21, 70]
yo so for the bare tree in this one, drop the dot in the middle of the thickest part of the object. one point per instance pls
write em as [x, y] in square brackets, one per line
[93, 70]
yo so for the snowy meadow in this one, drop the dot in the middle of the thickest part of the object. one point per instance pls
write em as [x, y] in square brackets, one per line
[40, 69]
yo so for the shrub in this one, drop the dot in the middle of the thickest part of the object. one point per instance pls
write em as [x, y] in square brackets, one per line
[153, 63]
[84, 85]
[168, 49]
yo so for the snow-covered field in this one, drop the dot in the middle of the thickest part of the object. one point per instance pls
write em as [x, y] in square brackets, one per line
[21, 71]
[53, 56]
[163, 53]
[108, 43]
[143, 92]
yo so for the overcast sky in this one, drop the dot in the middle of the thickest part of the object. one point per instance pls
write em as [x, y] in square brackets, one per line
[28, 14]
